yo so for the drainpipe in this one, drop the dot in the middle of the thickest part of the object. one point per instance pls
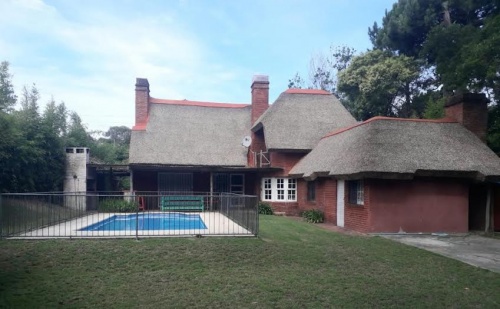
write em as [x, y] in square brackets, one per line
[211, 190]
[488, 210]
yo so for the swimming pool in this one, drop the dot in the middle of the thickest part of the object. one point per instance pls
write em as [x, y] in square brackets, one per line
[147, 222]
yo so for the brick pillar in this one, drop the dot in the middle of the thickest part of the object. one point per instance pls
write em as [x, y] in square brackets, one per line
[260, 103]
[471, 110]
[260, 96]
[141, 101]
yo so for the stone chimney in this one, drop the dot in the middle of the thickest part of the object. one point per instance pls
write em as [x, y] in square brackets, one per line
[260, 96]
[471, 110]
[141, 101]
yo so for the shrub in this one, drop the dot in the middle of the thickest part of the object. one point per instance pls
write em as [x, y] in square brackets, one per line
[265, 209]
[314, 216]
[117, 205]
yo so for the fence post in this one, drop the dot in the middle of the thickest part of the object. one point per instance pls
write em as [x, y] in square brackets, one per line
[257, 217]
[137, 222]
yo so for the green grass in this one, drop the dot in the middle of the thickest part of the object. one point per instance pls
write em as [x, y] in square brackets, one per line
[291, 265]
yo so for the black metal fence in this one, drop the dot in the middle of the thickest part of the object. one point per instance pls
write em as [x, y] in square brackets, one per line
[114, 214]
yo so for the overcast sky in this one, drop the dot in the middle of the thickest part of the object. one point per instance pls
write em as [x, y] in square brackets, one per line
[88, 53]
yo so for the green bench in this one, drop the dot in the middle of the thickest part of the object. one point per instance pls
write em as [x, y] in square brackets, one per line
[182, 203]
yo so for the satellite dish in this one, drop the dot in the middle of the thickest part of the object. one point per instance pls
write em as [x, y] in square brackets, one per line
[247, 140]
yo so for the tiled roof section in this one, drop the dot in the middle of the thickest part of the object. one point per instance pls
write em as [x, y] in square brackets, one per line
[338, 131]
[306, 91]
[401, 149]
[197, 103]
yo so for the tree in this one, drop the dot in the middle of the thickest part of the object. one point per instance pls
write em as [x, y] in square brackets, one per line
[456, 39]
[7, 96]
[379, 84]
[119, 135]
[323, 69]
[466, 58]
[77, 133]
[32, 143]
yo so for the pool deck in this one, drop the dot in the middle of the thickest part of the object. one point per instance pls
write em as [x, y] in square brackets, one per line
[217, 225]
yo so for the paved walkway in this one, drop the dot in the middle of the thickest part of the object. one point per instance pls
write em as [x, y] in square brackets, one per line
[475, 250]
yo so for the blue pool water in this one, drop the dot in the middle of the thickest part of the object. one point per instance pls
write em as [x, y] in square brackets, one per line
[165, 221]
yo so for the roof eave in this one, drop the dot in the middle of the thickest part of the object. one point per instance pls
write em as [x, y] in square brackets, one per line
[257, 126]
[290, 150]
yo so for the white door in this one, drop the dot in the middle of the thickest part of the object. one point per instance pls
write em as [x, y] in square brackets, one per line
[340, 203]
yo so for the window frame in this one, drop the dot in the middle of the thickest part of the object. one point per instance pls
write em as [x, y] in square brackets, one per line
[356, 192]
[279, 189]
[311, 191]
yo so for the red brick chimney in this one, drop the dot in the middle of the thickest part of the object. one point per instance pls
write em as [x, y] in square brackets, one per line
[471, 110]
[141, 101]
[260, 96]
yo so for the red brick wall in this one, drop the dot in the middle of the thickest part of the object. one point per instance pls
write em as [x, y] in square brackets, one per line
[326, 198]
[419, 205]
[284, 160]
[260, 99]
[289, 208]
[260, 103]
[141, 101]
[472, 115]
[357, 217]
[258, 144]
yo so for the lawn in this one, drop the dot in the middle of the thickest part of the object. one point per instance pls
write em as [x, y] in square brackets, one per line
[291, 265]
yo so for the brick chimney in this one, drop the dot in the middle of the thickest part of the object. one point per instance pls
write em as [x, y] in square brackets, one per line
[141, 101]
[260, 96]
[471, 110]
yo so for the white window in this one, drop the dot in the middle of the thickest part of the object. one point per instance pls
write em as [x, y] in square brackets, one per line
[267, 189]
[279, 189]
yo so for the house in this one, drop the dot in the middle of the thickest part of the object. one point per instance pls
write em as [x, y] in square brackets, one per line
[306, 151]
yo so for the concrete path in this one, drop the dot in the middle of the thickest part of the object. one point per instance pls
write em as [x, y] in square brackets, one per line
[475, 250]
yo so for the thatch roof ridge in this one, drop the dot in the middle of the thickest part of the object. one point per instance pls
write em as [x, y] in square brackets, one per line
[394, 148]
[376, 118]
[297, 121]
[197, 103]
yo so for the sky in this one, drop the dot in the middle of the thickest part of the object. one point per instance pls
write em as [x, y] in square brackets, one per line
[89, 53]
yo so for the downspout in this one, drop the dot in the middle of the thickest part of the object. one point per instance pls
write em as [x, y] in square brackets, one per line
[211, 190]
[488, 210]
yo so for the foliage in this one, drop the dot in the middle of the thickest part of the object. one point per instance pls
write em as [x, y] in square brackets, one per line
[323, 69]
[458, 39]
[379, 84]
[117, 205]
[312, 267]
[434, 108]
[119, 135]
[493, 136]
[265, 209]
[7, 96]
[32, 142]
[313, 216]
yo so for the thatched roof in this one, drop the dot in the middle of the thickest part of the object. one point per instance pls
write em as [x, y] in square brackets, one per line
[300, 117]
[192, 133]
[398, 148]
